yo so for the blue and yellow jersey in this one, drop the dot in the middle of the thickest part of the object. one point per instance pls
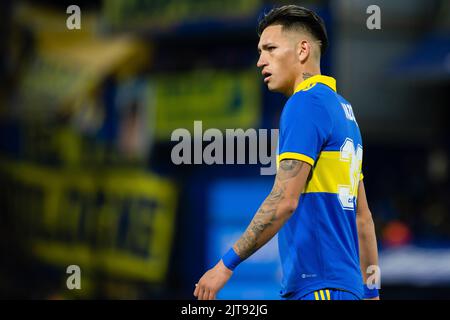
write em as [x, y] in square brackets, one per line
[319, 244]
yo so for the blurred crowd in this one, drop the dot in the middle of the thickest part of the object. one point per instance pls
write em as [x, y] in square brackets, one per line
[86, 117]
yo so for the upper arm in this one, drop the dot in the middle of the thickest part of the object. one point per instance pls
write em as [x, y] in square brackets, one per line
[362, 207]
[290, 181]
[304, 128]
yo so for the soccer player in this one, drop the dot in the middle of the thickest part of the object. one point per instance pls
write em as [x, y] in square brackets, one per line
[318, 205]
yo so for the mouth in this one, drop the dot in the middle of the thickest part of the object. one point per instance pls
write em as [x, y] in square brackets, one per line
[266, 76]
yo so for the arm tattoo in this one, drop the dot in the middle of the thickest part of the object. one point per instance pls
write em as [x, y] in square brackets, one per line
[289, 168]
[267, 213]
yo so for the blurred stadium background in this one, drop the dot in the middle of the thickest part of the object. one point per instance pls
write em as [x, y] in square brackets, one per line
[86, 115]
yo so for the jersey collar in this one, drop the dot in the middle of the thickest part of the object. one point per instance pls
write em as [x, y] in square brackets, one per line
[318, 78]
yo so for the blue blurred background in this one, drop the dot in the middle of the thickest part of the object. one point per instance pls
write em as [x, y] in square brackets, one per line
[86, 117]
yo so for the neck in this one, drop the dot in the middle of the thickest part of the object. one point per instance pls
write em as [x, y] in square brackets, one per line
[304, 75]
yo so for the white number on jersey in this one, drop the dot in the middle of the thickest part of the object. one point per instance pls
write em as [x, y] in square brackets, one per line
[347, 193]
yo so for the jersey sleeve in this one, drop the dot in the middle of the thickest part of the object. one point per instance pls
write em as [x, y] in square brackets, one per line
[305, 125]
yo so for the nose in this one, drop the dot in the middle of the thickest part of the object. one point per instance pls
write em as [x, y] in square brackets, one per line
[261, 61]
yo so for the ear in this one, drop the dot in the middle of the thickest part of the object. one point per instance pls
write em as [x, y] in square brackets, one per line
[303, 50]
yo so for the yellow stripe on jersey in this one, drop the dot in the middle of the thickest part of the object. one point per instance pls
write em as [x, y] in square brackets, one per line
[328, 294]
[316, 296]
[329, 173]
[322, 297]
[295, 156]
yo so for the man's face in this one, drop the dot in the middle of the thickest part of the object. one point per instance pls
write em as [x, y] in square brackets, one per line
[278, 59]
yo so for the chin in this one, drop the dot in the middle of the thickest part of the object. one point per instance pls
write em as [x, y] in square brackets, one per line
[272, 87]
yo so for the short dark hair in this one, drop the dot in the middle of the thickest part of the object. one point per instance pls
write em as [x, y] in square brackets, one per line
[293, 16]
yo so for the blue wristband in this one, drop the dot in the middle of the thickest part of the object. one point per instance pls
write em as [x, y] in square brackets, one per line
[370, 293]
[231, 260]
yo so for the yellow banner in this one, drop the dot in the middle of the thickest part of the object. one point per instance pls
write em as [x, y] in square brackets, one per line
[69, 65]
[143, 13]
[220, 99]
[115, 221]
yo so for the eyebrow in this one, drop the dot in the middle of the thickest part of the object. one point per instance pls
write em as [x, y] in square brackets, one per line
[265, 46]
